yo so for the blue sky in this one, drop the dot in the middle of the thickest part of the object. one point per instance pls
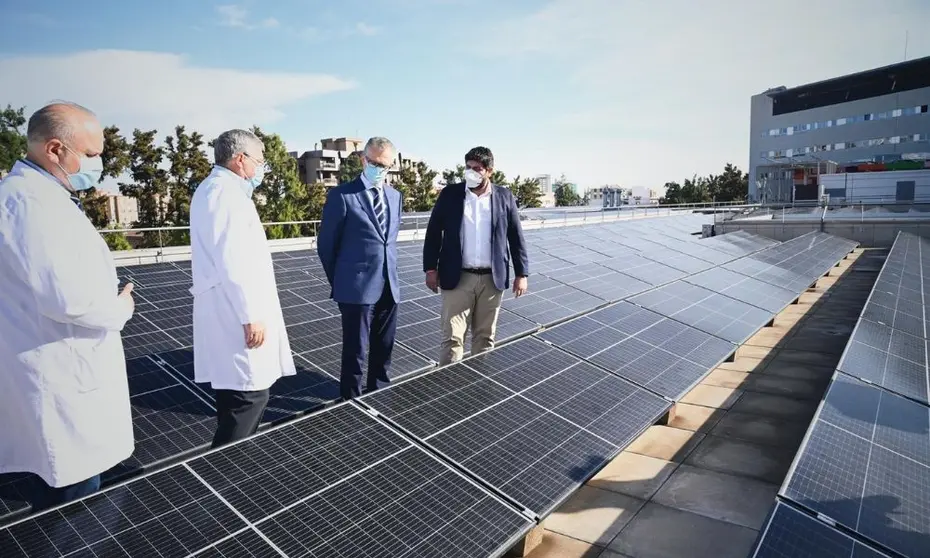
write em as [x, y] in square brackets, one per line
[605, 91]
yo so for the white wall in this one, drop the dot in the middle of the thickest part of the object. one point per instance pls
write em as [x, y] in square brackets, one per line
[876, 186]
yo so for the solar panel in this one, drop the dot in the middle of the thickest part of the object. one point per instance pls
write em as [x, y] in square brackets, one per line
[169, 418]
[335, 484]
[889, 358]
[662, 355]
[702, 309]
[745, 289]
[503, 417]
[789, 533]
[12, 495]
[864, 465]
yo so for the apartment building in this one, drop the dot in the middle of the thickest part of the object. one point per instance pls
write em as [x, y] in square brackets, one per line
[122, 211]
[798, 134]
[545, 183]
[322, 164]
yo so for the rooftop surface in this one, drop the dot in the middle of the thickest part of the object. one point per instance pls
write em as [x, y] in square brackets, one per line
[703, 485]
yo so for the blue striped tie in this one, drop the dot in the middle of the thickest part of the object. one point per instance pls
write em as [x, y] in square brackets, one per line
[379, 210]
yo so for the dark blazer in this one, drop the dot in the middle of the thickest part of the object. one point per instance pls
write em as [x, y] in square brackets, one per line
[356, 257]
[442, 249]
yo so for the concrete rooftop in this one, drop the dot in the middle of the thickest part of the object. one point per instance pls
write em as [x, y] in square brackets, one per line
[703, 485]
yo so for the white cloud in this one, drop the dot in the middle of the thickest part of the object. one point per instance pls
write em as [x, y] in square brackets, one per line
[155, 90]
[679, 79]
[363, 28]
[234, 15]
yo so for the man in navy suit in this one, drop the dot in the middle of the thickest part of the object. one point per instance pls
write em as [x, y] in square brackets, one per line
[465, 254]
[357, 246]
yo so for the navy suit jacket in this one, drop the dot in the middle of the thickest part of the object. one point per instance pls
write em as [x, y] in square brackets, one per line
[442, 249]
[357, 258]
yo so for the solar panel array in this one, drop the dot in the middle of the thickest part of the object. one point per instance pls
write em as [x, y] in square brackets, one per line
[860, 483]
[462, 460]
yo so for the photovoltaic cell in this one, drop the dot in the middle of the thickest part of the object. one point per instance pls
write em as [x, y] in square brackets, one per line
[887, 357]
[864, 464]
[702, 309]
[744, 289]
[493, 415]
[335, 484]
[169, 418]
[790, 533]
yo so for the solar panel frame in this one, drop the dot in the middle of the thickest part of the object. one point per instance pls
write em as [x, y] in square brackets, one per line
[791, 533]
[211, 505]
[853, 465]
[453, 410]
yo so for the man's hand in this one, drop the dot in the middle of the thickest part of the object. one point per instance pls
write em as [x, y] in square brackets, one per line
[519, 286]
[432, 280]
[126, 294]
[254, 335]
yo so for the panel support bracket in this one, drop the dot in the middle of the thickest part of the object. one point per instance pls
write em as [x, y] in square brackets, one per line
[669, 417]
[528, 543]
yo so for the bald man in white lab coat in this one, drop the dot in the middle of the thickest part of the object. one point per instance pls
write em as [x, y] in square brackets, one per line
[64, 395]
[240, 341]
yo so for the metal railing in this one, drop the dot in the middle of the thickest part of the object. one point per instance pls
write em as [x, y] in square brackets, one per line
[159, 238]
[807, 211]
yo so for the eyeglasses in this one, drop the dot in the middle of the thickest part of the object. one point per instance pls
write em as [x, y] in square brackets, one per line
[376, 164]
[258, 163]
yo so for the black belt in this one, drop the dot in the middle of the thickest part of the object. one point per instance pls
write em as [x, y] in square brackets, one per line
[477, 271]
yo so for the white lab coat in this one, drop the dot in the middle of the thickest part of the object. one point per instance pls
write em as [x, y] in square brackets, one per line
[234, 284]
[64, 395]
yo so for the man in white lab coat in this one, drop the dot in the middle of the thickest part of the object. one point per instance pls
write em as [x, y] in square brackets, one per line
[240, 341]
[64, 395]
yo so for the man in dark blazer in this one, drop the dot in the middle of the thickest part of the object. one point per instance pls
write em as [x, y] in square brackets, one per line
[465, 254]
[357, 246]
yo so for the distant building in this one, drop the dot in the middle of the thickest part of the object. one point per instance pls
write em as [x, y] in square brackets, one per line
[322, 164]
[122, 210]
[547, 200]
[640, 195]
[545, 183]
[798, 134]
[607, 196]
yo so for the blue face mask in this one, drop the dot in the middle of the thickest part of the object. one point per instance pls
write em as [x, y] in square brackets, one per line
[249, 185]
[88, 176]
[375, 175]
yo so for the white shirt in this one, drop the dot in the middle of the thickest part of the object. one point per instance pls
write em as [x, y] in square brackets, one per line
[476, 230]
[234, 284]
[64, 395]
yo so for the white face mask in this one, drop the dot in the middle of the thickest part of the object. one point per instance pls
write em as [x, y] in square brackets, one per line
[472, 178]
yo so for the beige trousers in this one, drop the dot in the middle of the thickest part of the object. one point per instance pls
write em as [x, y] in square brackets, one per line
[474, 304]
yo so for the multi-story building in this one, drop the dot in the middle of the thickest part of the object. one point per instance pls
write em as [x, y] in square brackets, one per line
[545, 183]
[640, 195]
[122, 211]
[875, 116]
[322, 164]
[608, 196]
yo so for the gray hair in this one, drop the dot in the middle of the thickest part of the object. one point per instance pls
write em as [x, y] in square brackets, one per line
[233, 142]
[53, 122]
[379, 144]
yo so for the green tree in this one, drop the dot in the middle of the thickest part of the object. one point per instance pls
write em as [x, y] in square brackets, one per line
[565, 194]
[732, 185]
[526, 192]
[149, 184]
[406, 179]
[350, 168]
[115, 156]
[499, 178]
[672, 194]
[96, 202]
[421, 193]
[286, 197]
[453, 176]
[116, 240]
[189, 167]
[12, 136]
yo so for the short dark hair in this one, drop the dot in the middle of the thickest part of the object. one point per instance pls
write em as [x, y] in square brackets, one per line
[481, 155]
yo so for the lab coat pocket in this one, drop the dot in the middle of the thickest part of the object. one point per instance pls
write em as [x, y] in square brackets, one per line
[62, 366]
